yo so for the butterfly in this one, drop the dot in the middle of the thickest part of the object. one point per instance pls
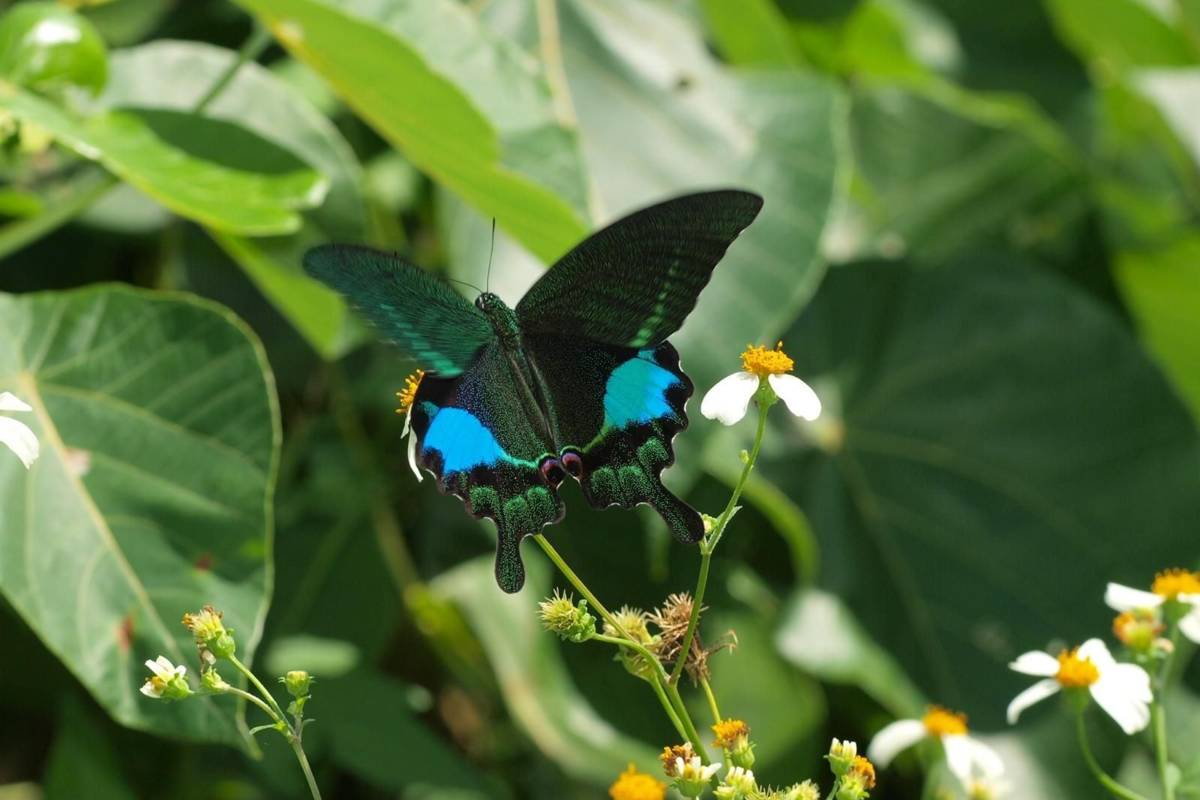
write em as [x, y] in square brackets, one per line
[578, 379]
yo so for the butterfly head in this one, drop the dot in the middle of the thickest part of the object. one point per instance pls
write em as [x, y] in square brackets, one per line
[503, 319]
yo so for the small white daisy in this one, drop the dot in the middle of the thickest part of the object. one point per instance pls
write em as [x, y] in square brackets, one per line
[1170, 586]
[407, 397]
[1122, 690]
[167, 681]
[17, 436]
[728, 400]
[967, 758]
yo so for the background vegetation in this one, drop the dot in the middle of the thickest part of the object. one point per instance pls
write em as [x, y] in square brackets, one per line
[979, 242]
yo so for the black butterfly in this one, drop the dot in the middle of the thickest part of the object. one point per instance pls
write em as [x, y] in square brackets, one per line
[579, 379]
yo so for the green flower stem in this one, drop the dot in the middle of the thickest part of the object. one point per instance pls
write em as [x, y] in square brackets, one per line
[712, 699]
[304, 766]
[257, 684]
[709, 543]
[1158, 719]
[1106, 780]
[688, 728]
[94, 183]
[270, 712]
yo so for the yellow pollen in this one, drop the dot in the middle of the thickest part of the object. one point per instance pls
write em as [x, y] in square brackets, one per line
[864, 770]
[728, 732]
[1075, 672]
[944, 722]
[763, 362]
[669, 754]
[409, 392]
[1173, 582]
[634, 785]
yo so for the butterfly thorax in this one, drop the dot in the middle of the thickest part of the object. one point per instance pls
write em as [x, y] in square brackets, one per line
[530, 385]
[503, 318]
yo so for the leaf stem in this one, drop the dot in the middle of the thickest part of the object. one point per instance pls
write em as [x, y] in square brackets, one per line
[251, 49]
[1106, 780]
[709, 543]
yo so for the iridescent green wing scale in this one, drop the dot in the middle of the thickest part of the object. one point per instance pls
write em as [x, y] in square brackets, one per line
[424, 316]
[633, 283]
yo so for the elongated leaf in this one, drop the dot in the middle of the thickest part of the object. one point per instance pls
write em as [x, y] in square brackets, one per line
[386, 79]
[152, 496]
[230, 200]
[537, 687]
[997, 448]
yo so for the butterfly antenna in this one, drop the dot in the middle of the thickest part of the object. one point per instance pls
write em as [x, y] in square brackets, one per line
[491, 252]
[464, 283]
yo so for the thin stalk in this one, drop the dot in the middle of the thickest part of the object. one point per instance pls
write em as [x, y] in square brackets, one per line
[270, 712]
[1158, 717]
[257, 684]
[712, 699]
[669, 708]
[308, 773]
[570, 575]
[1106, 780]
[96, 183]
[709, 543]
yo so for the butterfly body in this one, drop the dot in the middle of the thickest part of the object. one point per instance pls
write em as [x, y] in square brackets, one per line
[577, 380]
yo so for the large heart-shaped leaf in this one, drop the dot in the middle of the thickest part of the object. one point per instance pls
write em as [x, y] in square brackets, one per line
[996, 448]
[227, 199]
[381, 70]
[153, 494]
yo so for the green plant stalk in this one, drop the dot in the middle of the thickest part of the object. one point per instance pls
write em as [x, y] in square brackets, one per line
[1105, 780]
[96, 183]
[1158, 719]
[712, 699]
[625, 640]
[257, 684]
[270, 712]
[709, 543]
[304, 766]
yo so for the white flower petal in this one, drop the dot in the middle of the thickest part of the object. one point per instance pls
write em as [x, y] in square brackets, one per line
[1125, 696]
[970, 758]
[412, 455]
[892, 739]
[1189, 626]
[1096, 651]
[19, 438]
[728, 400]
[1036, 663]
[10, 402]
[1034, 694]
[1126, 598]
[149, 690]
[799, 397]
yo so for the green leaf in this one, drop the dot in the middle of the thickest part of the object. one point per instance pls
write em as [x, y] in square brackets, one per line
[983, 427]
[372, 732]
[821, 636]
[153, 493]
[1119, 34]
[423, 111]
[227, 199]
[84, 760]
[698, 124]
[537, 688]
[753, 32]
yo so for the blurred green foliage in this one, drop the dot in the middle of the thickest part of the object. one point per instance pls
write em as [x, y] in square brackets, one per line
[980, 244]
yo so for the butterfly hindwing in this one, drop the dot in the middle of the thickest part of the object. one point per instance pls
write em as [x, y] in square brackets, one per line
[428, 319]
[477, 434]
[619, 408]
[633, 283]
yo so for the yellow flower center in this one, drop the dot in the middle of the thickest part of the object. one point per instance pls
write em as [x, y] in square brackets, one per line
[409, 392]
[729, 731]
[1173, 582]
[943, 722]
[1075, 672]
[634, 785]
[864, 771]
[1137, 628]
[669, 754]
[763, 362]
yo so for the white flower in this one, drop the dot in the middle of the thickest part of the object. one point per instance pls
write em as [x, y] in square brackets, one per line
[738, 783]
[966, 757]
[167, 680]
[985, 788]
[1173, 585]
[1122, 690]
[15, 435]
[728, 400]
[692, 777]
[408, 396]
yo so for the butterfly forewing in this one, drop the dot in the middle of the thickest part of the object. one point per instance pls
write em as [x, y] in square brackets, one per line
[633, 283]
[428, 319]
